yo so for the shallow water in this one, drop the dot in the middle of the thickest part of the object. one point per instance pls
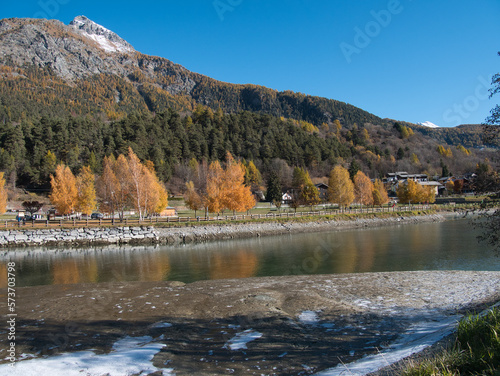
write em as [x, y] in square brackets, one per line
[425, 246]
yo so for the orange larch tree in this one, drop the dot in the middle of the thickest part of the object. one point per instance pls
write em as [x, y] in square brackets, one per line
[215, 189]
[192, 198]
[238, 197]
[64, 193]
[155, 197]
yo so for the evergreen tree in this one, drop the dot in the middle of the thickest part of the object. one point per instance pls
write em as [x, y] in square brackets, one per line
[400, 154]
[445, 172]
[253, 178]
[353, 169]
[274, 189]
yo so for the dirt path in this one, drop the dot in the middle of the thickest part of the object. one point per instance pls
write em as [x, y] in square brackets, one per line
[294, 325]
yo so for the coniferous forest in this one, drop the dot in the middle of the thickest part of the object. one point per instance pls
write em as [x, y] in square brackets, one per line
[32, 149]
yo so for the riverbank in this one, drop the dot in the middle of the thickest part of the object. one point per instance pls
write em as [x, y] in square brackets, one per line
[293, 226]
[202, 232]
[293, 325]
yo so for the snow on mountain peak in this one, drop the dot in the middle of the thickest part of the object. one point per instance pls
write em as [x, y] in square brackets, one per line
[429, 124]
[106, 39]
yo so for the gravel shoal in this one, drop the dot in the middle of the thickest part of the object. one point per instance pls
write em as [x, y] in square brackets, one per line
[293, 325]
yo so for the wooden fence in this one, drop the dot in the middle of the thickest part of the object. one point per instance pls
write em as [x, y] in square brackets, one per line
[82, 223]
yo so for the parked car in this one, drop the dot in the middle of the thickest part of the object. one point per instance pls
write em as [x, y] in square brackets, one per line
[96, 216]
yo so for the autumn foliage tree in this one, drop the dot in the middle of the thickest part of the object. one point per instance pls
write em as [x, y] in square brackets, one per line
[363, 189]
[86, 197]
[411, 191]
[304, 191]
[155, 198]
[192, 198]
[340, 187]
[380, 196]
[239, 197]
[3, 194]
[127, 182]
[147, 194]
[215, 190]
[226, 188]
[64, 192]
[108, 187]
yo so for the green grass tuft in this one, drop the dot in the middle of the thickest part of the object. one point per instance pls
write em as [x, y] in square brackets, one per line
[476, 350]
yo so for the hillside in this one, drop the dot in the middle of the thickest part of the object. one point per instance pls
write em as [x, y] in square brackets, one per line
[50, 68]
[75, 93]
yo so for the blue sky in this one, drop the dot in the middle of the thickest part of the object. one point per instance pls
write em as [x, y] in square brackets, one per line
[411, 60]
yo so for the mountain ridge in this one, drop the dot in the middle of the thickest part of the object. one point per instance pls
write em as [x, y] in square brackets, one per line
[77, 93]
[60, 48]
[94, 71]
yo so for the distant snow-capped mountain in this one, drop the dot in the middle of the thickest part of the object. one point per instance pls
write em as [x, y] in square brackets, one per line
[106, 39]
[429, 124]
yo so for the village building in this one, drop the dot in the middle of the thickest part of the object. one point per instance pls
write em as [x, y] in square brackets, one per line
[323, 191]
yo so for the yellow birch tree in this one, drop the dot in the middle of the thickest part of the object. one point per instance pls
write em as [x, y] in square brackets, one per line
[85, 184]
[162, 202]
[108, 187]
[340, 187]
[121, 194]
[414, 192]
[380, 196]
[137, 181]
[363, 189]
[148, 195]
[3, 194]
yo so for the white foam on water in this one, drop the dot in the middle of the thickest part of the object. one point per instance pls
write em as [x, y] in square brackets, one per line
[415, 339]
[130, 355]
[240, 340]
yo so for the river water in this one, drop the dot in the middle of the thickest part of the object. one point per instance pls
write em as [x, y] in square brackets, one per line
[449, 245]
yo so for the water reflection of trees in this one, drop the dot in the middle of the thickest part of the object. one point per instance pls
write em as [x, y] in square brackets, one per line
[410, 247]
[3, 276]
[70, 271]
[237, 264]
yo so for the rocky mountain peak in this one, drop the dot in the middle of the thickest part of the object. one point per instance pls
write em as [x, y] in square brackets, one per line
[106, 39]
